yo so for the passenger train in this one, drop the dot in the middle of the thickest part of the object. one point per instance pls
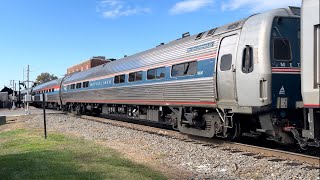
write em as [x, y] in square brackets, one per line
[310, 54]
[239, 79]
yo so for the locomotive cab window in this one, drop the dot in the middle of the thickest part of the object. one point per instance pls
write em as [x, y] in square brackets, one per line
[183, 69]
[226, 62]
[73, 86]
[282, 49]
[136, 76]
[247, 59]
[157, 73]
[119, 79]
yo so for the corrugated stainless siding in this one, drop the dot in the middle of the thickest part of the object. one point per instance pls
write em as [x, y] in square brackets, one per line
[51, 98]
[160, 56]
[164, 54]
[201, 92]
[196, 90]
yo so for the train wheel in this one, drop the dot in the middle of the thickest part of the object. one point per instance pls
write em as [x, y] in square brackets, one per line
[78, 110]
[235, 132]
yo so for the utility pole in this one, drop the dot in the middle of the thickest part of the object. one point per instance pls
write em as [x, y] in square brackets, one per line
[28, 73]
[13, 96]
[19, 97]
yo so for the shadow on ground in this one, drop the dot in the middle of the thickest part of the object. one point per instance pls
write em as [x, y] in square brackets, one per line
[39, 165]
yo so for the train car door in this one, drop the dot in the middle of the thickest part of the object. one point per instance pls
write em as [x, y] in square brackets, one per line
[226, 70]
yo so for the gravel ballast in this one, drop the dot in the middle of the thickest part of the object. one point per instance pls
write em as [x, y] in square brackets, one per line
[196, 160]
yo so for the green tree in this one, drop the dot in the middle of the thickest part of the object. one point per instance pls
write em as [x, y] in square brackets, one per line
[45, 77]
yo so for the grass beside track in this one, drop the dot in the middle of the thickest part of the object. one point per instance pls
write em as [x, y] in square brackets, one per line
[25, 154]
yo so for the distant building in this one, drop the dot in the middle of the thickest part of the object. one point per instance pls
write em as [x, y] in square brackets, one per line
[92, 62]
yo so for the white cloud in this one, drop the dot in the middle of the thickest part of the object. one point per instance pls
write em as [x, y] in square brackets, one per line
[255, 6]
[117, 8]
[187, 6]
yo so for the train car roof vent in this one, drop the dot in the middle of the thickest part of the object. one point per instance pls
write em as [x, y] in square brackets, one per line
[199, 36]
[295, 10]
[160, 44]
[211, 32]
[234, 25]
[187, 34]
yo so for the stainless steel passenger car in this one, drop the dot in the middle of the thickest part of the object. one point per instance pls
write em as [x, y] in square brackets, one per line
[239, 79]
[51, 90]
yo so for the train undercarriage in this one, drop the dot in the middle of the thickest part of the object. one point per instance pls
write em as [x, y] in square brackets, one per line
[197, 121]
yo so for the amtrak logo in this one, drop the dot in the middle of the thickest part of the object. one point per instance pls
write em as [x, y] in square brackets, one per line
[200, 47]
[282, 91]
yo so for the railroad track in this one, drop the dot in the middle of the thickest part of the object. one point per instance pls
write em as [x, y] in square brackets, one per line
[257, 152]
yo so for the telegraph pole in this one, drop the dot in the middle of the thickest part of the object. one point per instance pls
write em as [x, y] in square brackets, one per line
[28, 73]
[19, 97]
[13, 96]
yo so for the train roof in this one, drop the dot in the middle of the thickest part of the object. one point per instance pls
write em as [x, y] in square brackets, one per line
[151, 56]
[47, 84]
[136, 60]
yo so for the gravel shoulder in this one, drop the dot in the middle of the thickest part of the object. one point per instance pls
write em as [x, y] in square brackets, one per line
[178, 159]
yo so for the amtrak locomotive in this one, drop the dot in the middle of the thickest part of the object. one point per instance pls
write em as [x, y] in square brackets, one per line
[239, 79]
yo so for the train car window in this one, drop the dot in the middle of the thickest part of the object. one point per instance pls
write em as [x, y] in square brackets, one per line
[116, 80]
[191, 68]
[177, 70]
[119, 79]
[157, 73]
[139, 76]
[78, 86]
[282, 49]
[151, 74]
[122, 78]
[85, 84]
[136, 76]
[226, 61]
[132, 77]
[188, 68]
[160, 73]
[73, 86]
[247, 60]
[52, 90]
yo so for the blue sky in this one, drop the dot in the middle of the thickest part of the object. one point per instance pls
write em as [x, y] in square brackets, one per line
[51, 35]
